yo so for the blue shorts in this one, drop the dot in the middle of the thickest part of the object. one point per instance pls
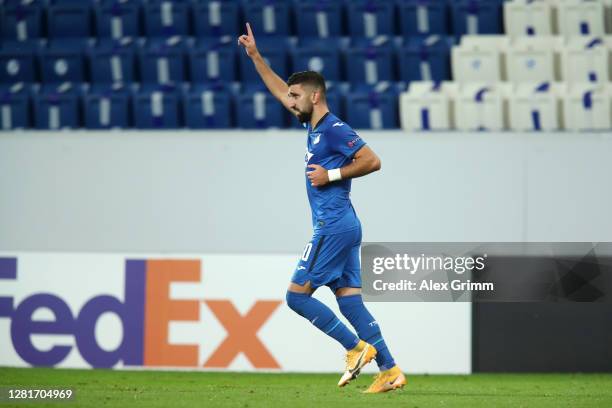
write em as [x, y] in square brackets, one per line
[331, 260]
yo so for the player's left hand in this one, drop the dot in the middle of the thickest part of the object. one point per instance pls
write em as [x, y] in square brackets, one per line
[318, 177]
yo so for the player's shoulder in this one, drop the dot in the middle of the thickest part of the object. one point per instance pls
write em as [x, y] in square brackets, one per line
[337, 126]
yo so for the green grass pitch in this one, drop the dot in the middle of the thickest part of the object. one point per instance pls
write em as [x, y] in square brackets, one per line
[108, 388]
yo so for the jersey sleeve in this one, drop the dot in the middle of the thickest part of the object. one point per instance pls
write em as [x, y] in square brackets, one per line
[346, 141]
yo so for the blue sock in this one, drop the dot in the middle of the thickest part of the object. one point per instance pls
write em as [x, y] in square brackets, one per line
[322, 317]
[354, 310]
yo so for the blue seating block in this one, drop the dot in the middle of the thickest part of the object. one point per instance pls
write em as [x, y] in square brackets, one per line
[213, 60]
[216, 19]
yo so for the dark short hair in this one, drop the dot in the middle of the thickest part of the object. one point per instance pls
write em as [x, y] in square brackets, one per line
[311, 78]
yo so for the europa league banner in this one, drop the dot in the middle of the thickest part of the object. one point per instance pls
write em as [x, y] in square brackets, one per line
[486, 272]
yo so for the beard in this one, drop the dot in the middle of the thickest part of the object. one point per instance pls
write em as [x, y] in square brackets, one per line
[304, 116]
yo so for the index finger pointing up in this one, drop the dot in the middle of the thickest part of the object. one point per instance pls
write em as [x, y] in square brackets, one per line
[249, 31]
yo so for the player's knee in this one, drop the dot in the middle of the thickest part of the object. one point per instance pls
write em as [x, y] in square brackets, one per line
[295, 300]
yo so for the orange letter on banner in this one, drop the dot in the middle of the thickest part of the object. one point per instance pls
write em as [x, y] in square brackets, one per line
[160, 310]
[242, 333]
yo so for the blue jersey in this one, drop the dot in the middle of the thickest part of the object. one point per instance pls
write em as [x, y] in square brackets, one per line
[332, 144]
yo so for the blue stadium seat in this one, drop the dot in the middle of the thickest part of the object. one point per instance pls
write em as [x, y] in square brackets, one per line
[17, 64]
[21, 22]
[69, 20]
[118, 19]
[268, 17]
[319, 19]
[370, 18]
[163, 62]
[274, 51]
[418, 17]
[425, 59]
[213, 60]
[156, 108]
[166, 19]
[319, 55]
[57, 107]
[477, 17]
[62, 62]
[15, 112]
[372, 108]
[216, 18]
[113, 61]
[208, 107]
[370, 60]
[107, 107]
[258, 109]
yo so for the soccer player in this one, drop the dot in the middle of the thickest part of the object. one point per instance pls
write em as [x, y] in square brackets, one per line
[335, 155]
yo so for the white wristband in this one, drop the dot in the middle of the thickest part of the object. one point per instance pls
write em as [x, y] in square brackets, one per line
[334, 175]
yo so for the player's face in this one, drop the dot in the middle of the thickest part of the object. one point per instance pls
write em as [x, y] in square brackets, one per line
[300, 101]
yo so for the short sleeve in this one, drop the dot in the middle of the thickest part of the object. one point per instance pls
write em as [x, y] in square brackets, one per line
[345, 140]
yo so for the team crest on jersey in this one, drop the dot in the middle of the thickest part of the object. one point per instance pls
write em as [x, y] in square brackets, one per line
[354, 141]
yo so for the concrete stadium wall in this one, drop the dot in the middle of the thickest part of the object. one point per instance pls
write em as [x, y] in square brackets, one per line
[243, 192]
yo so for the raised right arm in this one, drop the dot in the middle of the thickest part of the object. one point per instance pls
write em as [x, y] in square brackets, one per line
[273, 82]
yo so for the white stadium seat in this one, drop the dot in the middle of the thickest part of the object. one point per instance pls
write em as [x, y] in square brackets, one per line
[536, 106]
[527, 18]
[425, 106]
[479, 58]
[533, 59]
[585, 59]
[580, 18]
[587, 107]
[480, 106]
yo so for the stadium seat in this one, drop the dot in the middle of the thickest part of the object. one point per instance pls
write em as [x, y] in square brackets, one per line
[375, 108]
[113, 61]
[528, 18]
[476, 17]
[369, 18]
[267, 17]
[20, 21]
[15, 107]
[118, 19]
[57, 107]
[535, 107]
[425, 106]
[107, 107]
[163, 62]
[370, 60]
[479, 58]
[532, 59]
[166, 19]
[480, 106]
[216, 18]
[418, 17]
[585, 59]
[425, 59]
[580, 18]
[258, 109]
[274, 51]
[17, 64]
[587, 107]
[319, 19]
[156, 108]
[62, 62]
[69, 20]
[213, 59]
[318, 55]
[208, 107]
